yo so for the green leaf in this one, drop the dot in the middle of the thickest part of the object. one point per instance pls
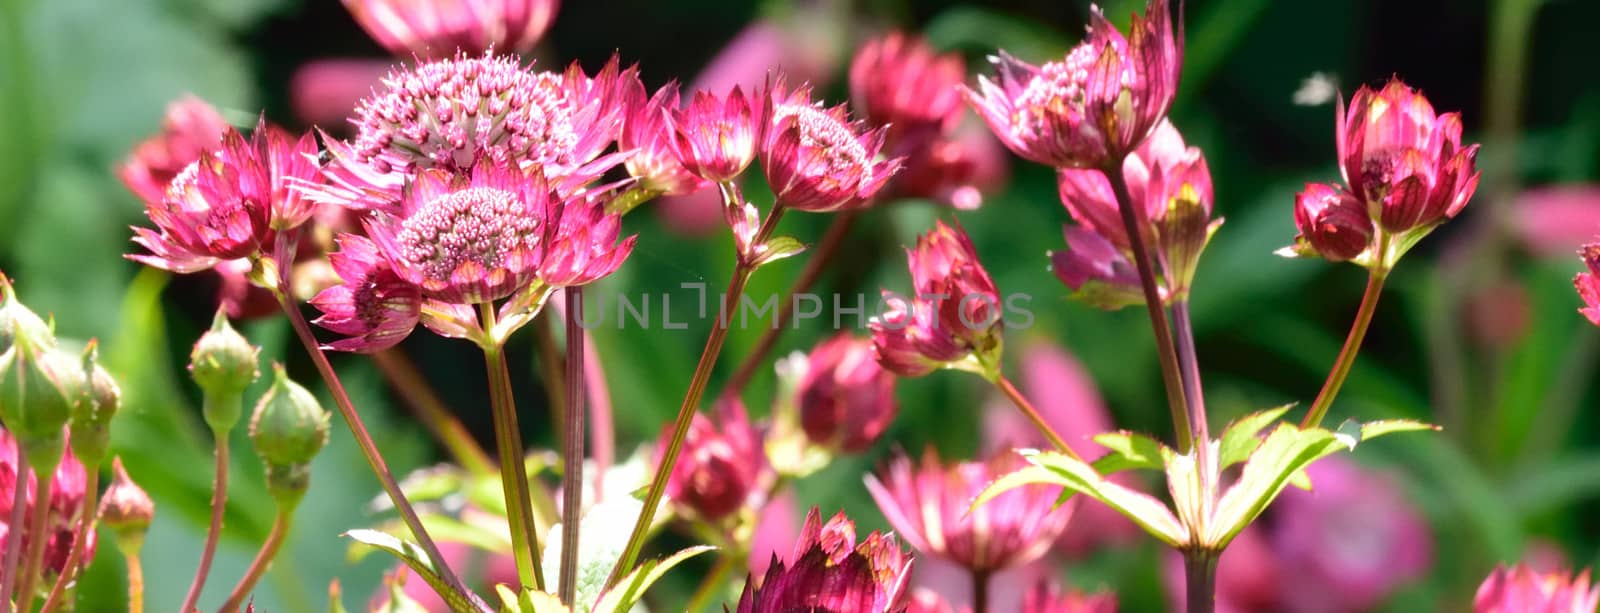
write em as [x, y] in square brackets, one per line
[602, 535]
[622, 601]
[1067, 472]
[417, 560]
[1240, 438]
[1128, 451]
[1374, 429]
[777, 248]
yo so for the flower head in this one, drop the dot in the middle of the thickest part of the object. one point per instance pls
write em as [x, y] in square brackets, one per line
[815, 159]
[722, 465]
[846, 398]
[1333, 224]
[716, 138]
[441, 29]
[930, 505]
[190, 127]
[899, 81]
[374, 307]
[1097, 103]
[1520, 589]
[67, 489]
[1588, 283]
[954, 319]
[830, 571]
[649, 134]
[1405, 163]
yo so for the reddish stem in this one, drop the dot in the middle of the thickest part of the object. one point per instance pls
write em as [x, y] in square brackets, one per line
[219, 500]
[1033, 415]
[19, 508]
[80, 541]
[572, 452]
[1347, 353]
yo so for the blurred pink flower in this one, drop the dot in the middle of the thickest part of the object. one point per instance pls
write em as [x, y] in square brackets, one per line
[324, 92]
[67, 490]
[649, 134]
[846, 398]
[777, 528]
[1520, 589]
[433, 29]
[1588, 283]
[722, 465]
[191, 126]
[831, 571]
[1556, 219]
[1027, 589]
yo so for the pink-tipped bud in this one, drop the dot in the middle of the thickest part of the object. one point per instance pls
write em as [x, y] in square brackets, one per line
[846, 398]
[1332, 223]
[125, 508]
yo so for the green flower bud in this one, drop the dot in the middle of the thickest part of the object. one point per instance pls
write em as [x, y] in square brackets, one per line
[126, 509]
[92, 413]
[289, 426]
[16, 320]
[287, 483]
[36, 392]
[223, 362]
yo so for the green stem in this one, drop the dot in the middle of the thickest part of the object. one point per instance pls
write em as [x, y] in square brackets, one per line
[1347, 354]
[513, 474]
[219, 500]
[572, 451]
[80, 540]
[1033, 415]
[1133, 225]
[19, 507]
[414, 390]
[691, 400]
[1189, 371]
[258, 567]
[130, 555]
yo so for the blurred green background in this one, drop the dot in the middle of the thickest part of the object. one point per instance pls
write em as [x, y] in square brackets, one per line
[82, 80]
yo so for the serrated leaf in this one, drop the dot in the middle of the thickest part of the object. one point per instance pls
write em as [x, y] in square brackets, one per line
[1128, 451]
[417, 560]
[1374, 429]
[1240, 438]
[635, 583]
[1067, 472]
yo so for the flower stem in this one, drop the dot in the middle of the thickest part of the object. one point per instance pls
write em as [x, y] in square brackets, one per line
[38, 526]
[513, 474]
[691, 401]
[258, 567]
[1200, 581]
[1189, 370]
[1347, 354]
[1132, 224]
[1033, 415]
[80, 540]
[358, 429]
[572, 450]
[414, 390]
[19, 508]
[820, 258]
[219, 500]
[130, 555]
[712, 582]
[980, 591]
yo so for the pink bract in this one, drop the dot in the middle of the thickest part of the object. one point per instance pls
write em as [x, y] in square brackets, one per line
[441, 28]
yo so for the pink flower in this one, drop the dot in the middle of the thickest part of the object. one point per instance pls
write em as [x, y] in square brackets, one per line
[191, 127]
[1047, 597]
[1097, 272]
[1398, 157]
[649, 134]
[374, 307]
[846, 399]
[1093, 106]
[929, 504]
[954, 317]
[831, 572]
[442, 28]
[226, 204]
[448, 114]
[898, 81]
[1588, 283]
[776, 529]
[1521, 590]
[1172, 183]
[815, 159]
[324, 92]
[716, 137]
[721, 465]
[67, 490]
[1555, 219]
[1333, 224]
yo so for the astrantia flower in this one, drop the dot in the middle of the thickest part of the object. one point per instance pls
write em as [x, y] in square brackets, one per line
[434, 29]
[716, 138]
[1097, 272]
[721, 465]
[1094, 105]
[815, 159]
[954, 319]
[1047, 597]
[374, 307]
[67, 490]
[191, 126]
[830, 572]
[1333, 224]
[930, 505]
[1588, 283]
[1172, 183]
[846, 398]
[649, 134]
[900, 82]
[449, 113]
[1520, 589]
[1403, 161]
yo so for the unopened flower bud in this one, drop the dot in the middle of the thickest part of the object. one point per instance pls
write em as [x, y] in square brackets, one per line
[846, 398]
[126, 509]
[92, 412]
[289, 428]
[223, 364]
[18, 320]
[34, 399]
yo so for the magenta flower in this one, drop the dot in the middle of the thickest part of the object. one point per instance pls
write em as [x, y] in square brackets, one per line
[1171, 181]
[1555, 219]
[721, 466]
[448, 114]
[1588, 283]
[831, 572]
[1520, 589]
[1093, 106]
[374, 307]
[846, 399]
[1401, 159]
[1333, 224]
[440, 29]
[954, 319]
[67, 490]
[930, 505]
[815, 159]
[899, 81]
[190, 127]
[1047, 597]
[324, 92]
[226, 204]
[649, 134]
[716, 138]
